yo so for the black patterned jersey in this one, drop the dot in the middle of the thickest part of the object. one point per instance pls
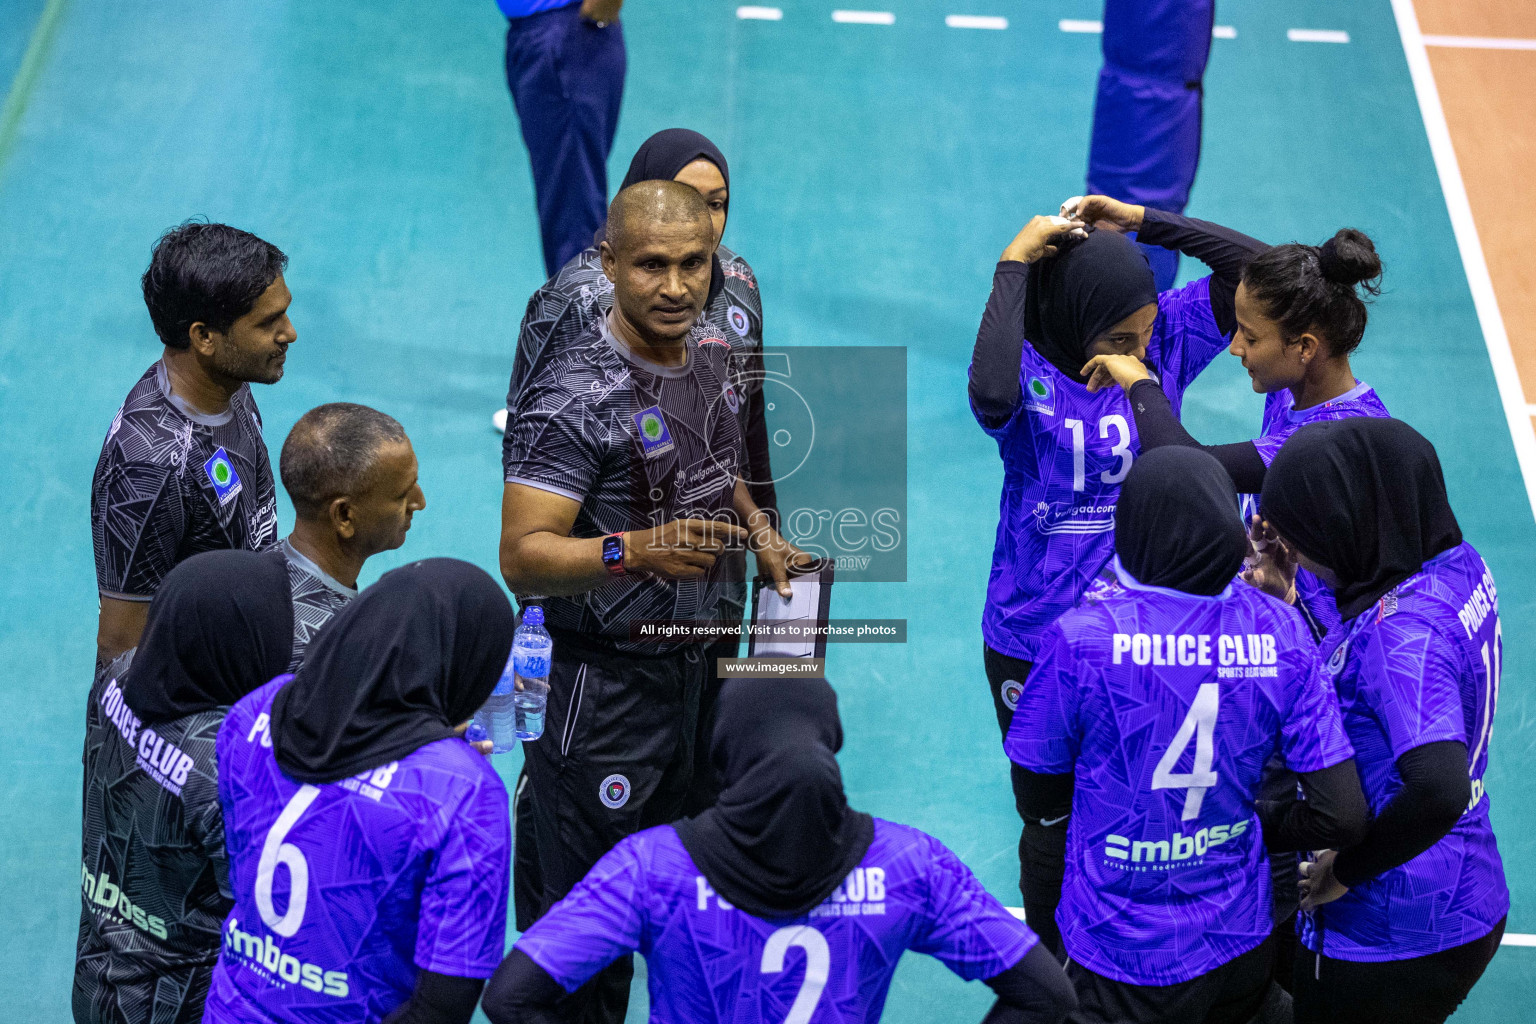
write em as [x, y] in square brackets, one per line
[154, 884]
[638, 445]
[317, 597]
[172, 482]
[578, 296]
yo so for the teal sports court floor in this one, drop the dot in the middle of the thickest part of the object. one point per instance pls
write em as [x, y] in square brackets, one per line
[878, 171]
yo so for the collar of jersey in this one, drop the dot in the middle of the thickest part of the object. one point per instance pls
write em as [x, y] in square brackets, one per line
[308, 564]
[1132, 583]
[1295, 414]
[163, 378]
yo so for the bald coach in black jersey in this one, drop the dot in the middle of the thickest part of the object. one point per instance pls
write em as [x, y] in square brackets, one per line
[184, 468]
[622, 456]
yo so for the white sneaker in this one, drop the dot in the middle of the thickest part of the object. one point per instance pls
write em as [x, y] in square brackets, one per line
[499, 420]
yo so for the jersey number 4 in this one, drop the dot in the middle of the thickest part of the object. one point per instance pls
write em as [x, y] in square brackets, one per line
[1121, 450]
[1199, 725]
[818, 963]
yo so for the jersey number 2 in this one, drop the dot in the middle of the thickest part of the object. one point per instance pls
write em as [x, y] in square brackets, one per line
[1199, 724]
[1121, 450]
[276, 852]
[818, 962]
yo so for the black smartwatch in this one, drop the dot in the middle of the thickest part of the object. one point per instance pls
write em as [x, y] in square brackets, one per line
[613, 554]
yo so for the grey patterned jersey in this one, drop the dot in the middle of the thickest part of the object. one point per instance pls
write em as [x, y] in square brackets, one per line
[636, 445]
[172, 482]
[317, 597]
[154, 884]
[579, 295]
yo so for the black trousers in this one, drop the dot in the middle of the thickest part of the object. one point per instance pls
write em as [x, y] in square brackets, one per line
[1230, 994]
[617, 756]
[1041, 890]
[1420, 990]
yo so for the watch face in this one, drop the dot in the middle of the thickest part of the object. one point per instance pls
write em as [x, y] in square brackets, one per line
[613, 553]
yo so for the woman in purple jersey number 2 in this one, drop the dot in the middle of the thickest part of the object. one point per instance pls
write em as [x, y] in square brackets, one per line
[1399, 927]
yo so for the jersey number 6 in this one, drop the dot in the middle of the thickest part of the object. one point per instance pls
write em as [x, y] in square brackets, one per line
[275, 852]
[818, 961]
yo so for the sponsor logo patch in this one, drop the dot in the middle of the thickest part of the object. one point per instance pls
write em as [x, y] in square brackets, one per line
[1040, 395]
[1012, 690]
[221, 474]
[655, 438]
[739, 322]
[614, 792]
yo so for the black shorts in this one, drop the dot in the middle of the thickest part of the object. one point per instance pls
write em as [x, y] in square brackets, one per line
[1421, 990]
[1230, 994]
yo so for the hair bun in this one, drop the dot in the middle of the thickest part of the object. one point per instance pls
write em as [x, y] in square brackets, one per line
[1349, 258]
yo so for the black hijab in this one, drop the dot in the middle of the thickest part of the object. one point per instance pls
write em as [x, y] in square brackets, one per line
[220, 625]
[781, 836]
[661, 158]
[1363, 497]
[413, 656]
[1081, 292]
[1174, 524]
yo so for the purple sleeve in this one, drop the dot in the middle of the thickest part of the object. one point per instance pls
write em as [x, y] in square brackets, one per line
[968, 930]
[598, 921]
[463, 923]
[1313, 736]
[1419, 685]
[1191, 338]
[1043, 736]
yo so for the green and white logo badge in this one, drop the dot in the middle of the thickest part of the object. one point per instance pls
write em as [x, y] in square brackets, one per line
[221, 474]
[655, 438]
[1040, 395]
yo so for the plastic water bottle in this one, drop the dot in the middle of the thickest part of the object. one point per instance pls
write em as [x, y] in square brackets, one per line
[496, 720]
[532, 650]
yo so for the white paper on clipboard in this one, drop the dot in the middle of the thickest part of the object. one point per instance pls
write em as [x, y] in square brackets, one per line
[807, 604]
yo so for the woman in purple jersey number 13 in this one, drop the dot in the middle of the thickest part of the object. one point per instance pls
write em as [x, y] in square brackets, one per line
[780, 903]
[1401, 926]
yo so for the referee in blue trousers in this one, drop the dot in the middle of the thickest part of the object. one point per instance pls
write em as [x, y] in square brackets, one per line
[565, 67]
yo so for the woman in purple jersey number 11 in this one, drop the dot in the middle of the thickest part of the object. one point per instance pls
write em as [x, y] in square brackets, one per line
[780, 903]
[369, 845]
[1401, 926]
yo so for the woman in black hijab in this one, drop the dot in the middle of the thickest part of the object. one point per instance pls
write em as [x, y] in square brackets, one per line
[1064, 292]
[154, 879]
[404, 828]
[783, 848]
[1415, 663]
[1087, 756]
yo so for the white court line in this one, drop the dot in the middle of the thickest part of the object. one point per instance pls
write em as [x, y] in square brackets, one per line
[864, 17]
[975, 21]
[1481, 42]
[1516, 411]
[1074, 25]
[1316, 35]
[759, 14]
[1510, 938]
[1224, 31]
[1531, 409]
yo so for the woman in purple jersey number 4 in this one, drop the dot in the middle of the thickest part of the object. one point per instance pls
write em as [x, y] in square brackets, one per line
[780, 903]
[1400, 926]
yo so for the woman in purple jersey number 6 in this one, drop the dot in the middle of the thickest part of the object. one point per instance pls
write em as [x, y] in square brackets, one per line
[1400, 927]
[369, 844]
[780, 903]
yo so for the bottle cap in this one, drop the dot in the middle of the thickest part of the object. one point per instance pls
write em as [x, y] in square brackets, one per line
[533, 615]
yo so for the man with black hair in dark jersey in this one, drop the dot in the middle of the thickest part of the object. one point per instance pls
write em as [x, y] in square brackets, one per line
[184, 468]
[623, 486]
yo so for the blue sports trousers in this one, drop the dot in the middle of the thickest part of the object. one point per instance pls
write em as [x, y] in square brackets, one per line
[567, 80]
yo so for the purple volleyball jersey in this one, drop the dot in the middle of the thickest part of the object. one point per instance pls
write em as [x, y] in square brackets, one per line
[1165, 706]
[708, 961]
[1281, 420]
[1421, 666]
[1065, 452]
[343, 890]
